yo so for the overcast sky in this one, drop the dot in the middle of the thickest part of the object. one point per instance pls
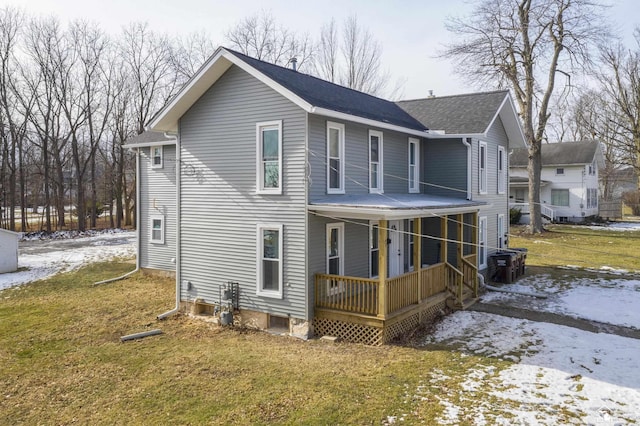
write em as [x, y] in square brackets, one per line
[410, 31]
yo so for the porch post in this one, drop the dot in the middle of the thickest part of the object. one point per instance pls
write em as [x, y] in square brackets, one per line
[417, 252]
[383, 225]
[443, 235]
[460, 245]
[474, 237]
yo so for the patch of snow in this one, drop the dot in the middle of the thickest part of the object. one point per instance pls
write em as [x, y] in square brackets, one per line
[618, 226]
[612, 301]
[563, 375]
[42, 257]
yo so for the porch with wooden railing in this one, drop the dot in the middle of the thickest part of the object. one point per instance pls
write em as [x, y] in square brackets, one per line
[362, 295]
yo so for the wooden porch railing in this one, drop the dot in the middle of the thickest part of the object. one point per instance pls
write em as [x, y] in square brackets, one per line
[470, 273]
[455, 280]
[351, 294]
[360, 295]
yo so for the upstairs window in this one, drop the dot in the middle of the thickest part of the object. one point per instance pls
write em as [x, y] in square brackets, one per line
[269, 149]
[375, 162]
[560, 171]
[270, 260]
[156, 157]
[414, 165]
[502, 170]
[335, 158]
[482, 168]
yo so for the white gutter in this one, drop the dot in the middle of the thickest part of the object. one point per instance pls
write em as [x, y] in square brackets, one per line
[121, 277]
[369, 122]
[469, 166]
[178, 168]
[353, 212]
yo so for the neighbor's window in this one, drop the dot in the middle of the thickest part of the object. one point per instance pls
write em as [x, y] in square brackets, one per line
[560, 197]
[592, 198]
[269, 149]
[335, 158]
[502, 170]
[482, 168]
[269, 260]
[414, 165]
[157, 229]
[375, 162]
[156, 157]
[560, 171]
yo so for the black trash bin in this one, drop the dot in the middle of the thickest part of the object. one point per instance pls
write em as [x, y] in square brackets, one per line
[504, 266]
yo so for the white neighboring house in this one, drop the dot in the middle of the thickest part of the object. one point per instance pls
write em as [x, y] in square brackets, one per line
[569, 181]
[8, 251]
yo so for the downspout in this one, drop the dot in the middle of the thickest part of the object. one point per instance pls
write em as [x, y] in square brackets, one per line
[178, 261]
[467, 143]
[121, 277]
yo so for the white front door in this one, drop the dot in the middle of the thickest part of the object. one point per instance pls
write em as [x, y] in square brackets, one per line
[394, 253]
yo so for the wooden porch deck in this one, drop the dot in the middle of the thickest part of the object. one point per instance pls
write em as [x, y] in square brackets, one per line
[351, 307]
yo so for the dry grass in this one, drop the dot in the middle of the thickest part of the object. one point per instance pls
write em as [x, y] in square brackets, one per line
[61, 362]
[564, 245]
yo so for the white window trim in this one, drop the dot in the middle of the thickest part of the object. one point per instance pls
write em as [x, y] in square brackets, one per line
[502, 173]
[153, 163]
[259, 252]
[482, 242]
[340, 227]
[341, 132]
[152, 218]
[501, 231]
[482, 172]
[260, 189]
[414, 184]
[380, 183]
[373, 223]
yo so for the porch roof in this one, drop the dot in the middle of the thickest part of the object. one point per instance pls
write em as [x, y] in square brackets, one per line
[523, 182]
[391, 206]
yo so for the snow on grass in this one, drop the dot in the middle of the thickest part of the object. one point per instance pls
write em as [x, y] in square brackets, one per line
[560, 374]
[46, 255]
[618, 226]
[612, 300]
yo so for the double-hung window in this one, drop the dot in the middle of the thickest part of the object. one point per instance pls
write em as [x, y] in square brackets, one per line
[414, 165]
[269, 150]
[482, 242]
[156, 231]
[502, 170]
[375, 162]
[335, 158]
[501, 232]
[374, 249]
[269, 256]
[156, 157]
[482, 168]
[560, 197]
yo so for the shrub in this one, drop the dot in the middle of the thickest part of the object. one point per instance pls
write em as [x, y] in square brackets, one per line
[515, 214]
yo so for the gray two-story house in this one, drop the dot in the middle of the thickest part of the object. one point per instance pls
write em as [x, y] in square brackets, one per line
[332, 211]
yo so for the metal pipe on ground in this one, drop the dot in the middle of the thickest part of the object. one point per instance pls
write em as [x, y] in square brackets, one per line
[140, 335]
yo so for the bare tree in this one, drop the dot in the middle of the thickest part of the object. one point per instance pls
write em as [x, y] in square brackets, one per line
[189, 53]
[524, 45]
[352, 57]
[260, 37]
[621, 83]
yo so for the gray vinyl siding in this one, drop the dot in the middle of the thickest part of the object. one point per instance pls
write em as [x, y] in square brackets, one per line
[395, 148]
[158, 196]
[356, 247]
[496, 203]
[444, 165]
[220, 209]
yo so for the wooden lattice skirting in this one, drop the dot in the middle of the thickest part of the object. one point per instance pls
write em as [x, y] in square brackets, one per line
[373, 331]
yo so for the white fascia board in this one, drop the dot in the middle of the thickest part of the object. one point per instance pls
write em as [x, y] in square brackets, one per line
[368, 122]
[370, 213]
[510, 121]
[209, 73]
[456, 135]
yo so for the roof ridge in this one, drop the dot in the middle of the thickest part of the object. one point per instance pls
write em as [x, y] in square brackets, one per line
[491, 92]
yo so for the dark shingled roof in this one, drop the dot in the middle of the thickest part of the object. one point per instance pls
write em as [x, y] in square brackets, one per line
[558, 154]
[150, 136]
[459, 114]
[323, 94]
